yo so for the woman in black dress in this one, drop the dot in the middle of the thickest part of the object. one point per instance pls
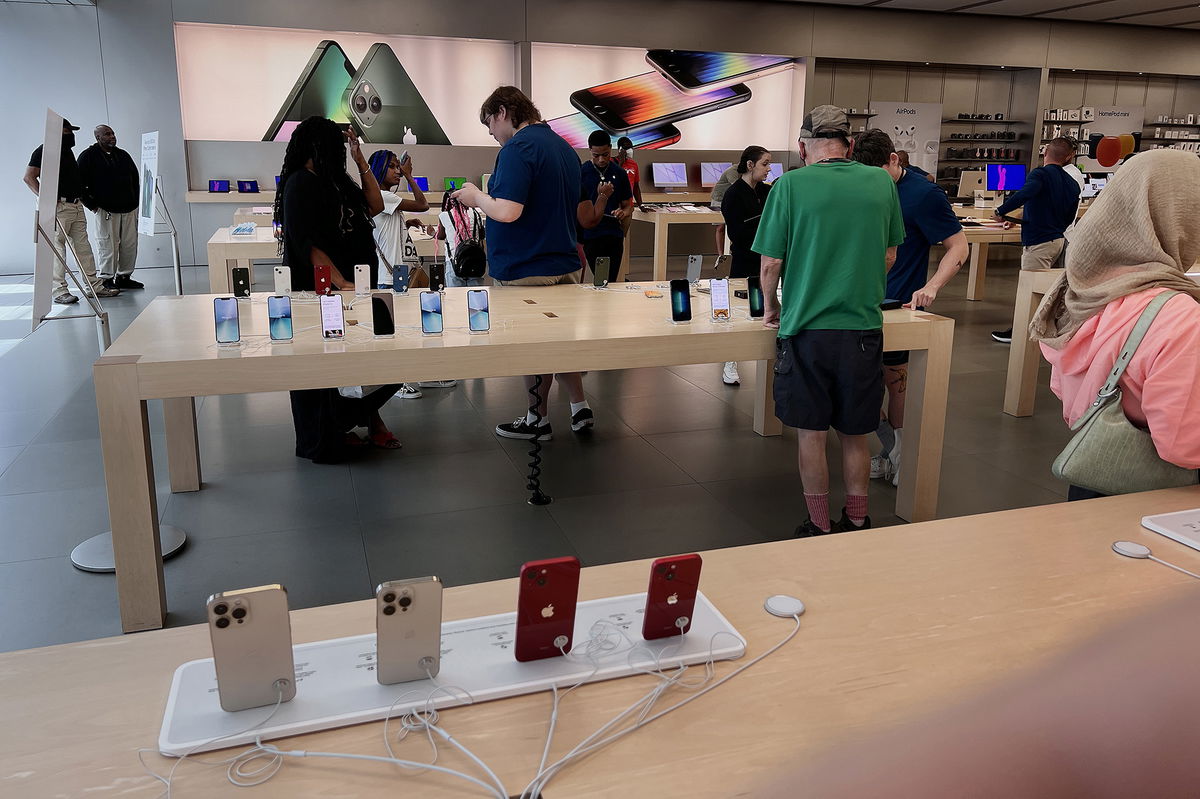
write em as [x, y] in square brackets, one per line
[325, 219]
[742, 207]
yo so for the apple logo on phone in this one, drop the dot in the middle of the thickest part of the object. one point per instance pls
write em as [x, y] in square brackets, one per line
[672, 599]
[548, 611]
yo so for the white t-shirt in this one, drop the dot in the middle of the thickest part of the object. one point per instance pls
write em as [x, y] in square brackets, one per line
[391, 234]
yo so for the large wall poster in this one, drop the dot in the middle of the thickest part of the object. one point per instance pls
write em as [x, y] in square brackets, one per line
[254, 84]
[915, 128]
[660, 98]
[146, 206]
[1114, 132]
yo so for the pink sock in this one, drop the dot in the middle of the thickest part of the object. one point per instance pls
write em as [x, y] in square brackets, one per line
[856, 509]
[818, 509]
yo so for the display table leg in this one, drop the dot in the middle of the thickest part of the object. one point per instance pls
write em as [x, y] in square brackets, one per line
[660, 247]
[1024, 359]
[183, 448]
[977, 274]
[765, 421]
[132, 505]
[925, 425]
[624, 270]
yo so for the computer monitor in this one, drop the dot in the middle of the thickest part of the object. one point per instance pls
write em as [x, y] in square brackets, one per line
[711, 171]
[1005, 177]
[776, 172]
[667, 176]
[452, 184]
[969, 181]
[422, 183]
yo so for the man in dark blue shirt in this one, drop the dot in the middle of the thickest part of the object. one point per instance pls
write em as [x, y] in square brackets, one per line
[1050, 198]
[604, 202]
[928, 219]
[532, 206]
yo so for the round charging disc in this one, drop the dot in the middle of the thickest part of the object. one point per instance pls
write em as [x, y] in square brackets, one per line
[784, 606]
[1131, 549]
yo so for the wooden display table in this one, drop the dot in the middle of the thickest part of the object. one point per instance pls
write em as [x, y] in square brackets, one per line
[1024, 357]
[168, 353]
[662, 221]
[899, 622]
[980, 239]
[262, 218]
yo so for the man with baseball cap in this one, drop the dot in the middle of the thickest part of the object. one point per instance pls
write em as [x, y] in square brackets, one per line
[830, 232]
[71, 221]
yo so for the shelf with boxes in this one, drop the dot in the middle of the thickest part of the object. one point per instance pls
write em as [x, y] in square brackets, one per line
[995, 135]
[982, 154]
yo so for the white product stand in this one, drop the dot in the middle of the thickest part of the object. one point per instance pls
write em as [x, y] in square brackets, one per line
[336, 684]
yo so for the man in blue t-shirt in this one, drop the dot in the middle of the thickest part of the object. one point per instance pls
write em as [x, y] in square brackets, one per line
[1050, 198]
[532, 205]
[928, 219]
[605, 201]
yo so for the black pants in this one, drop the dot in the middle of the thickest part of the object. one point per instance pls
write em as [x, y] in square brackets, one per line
[1076, 493]
[322, 418]
[610, 246]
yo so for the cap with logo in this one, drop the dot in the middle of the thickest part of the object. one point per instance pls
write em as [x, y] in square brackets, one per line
[826, 122]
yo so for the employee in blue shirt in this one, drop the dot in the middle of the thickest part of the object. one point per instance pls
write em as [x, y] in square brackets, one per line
[605, 200]
[532, 206]
[1050, 197]
[928, 219]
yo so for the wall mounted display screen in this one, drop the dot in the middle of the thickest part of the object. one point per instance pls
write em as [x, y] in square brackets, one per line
[1005, 177]
[239, 83]
[711, 171]
[629, 91]
[669, 175]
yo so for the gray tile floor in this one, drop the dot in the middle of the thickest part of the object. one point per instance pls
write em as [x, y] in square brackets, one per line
[672, 466]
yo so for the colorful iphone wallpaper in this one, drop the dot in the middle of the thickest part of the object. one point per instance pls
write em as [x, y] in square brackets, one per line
[695, 68]
[576, 128]
[279, 312]
[477, 311]
[650, 99]
[319, 91]
[681, 301]
[755, 296]
[431, 312]
[225, 314]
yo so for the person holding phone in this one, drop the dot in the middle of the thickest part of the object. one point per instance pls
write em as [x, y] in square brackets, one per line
[605, 202]
[928, 218]
[742, 207]
[531, 206]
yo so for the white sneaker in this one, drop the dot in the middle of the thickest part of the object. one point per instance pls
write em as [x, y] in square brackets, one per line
[408, 391]
[438, 383]
[894, 459]
[881, 467]
[729, 374]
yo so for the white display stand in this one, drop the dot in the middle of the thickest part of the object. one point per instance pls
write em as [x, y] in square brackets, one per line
[336, 685]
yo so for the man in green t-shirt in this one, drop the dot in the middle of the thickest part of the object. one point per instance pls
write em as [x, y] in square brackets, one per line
[831, 231]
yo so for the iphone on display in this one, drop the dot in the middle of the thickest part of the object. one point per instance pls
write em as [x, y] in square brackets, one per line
[600, 271]
[322, 278]
[478, 315]
[241, 281]
[671, 597]
[400, 278]
[279, 316]
[318, 92]
[437, 276]
[575, 129]
[648, 99]
[755, 296]
[252, 647]
[383, 314]
[384, 105]
[431, 313]
[225, 315]
[283, 280]
[681, 301]
[694, 264]
[718, 292]
[408, 630]
[696, 71]
[333, 322]
[549, 590]
[362, 280]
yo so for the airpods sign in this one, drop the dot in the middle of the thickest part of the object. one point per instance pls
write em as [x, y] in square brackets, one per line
[914, 127]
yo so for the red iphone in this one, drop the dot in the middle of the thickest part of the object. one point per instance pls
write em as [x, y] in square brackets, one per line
[671, 597]
[546, 608]
[322, 279]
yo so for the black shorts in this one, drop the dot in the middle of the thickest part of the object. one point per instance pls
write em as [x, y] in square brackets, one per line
[830, 378]
[895, 358]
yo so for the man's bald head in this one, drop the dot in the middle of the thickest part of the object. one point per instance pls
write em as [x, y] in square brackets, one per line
[105, 137]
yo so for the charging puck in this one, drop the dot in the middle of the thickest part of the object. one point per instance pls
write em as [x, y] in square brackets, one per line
[784, 606]
[1131, 549]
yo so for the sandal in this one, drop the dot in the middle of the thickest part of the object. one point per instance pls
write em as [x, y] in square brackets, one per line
[385, 440]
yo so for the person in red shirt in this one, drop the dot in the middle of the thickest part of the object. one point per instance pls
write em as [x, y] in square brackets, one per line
[625, 160]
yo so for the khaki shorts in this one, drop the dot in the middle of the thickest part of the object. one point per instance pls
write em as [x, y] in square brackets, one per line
[1046, 255]
[542, 280]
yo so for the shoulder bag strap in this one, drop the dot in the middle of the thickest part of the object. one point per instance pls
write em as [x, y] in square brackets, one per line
[383, 257]
[1109, 389]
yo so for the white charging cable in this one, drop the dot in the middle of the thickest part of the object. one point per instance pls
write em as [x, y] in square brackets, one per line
[1132, 549]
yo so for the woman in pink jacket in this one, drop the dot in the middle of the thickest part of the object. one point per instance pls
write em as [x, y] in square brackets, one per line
[1137, 240]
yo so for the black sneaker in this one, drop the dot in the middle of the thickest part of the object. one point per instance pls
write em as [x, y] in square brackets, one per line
[846, 526]
[584, 420]
[126, 282]
[110, 283]
[809, 530]
[1003, 336]
[519, 428]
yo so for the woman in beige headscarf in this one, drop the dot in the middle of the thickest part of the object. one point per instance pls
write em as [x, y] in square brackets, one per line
[1137, 240]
